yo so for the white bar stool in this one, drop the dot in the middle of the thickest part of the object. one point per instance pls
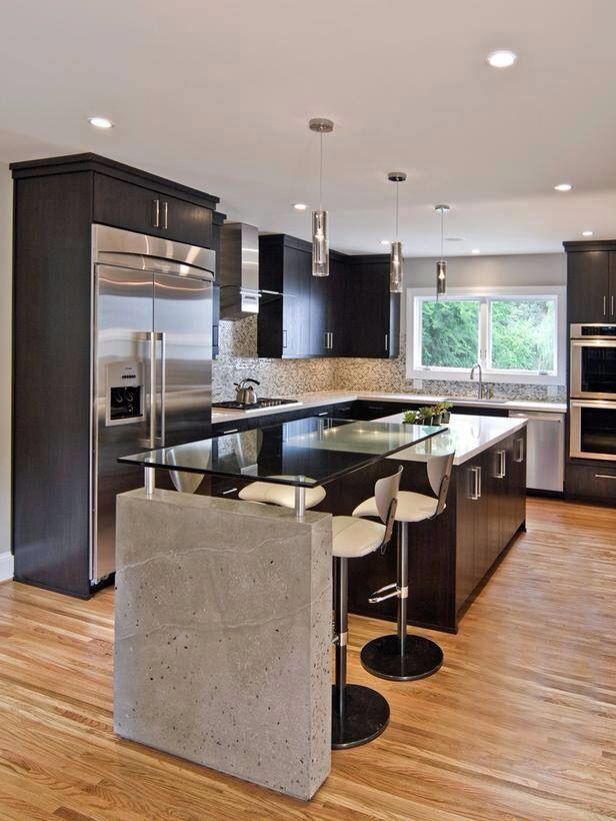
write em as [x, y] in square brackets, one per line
[282, 495]
[399, 656]
[359, 714]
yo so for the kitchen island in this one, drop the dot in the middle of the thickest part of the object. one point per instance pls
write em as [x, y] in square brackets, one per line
[223, 607]
[451, 557]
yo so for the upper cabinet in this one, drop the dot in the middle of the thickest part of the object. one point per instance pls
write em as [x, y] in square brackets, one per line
[372, 313]
[348, 313]
[284, 321]
[591, 281]
[126, 197]
[148, 211]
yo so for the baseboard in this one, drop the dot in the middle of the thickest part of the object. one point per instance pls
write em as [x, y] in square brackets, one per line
[6, 566]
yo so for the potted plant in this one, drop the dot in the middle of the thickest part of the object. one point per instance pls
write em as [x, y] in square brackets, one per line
[443, 410]
[411, 417]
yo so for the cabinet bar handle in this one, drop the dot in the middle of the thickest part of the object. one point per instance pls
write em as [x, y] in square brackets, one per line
[227, 492]
[604, 305]
[284, 339]
[165, 216]
[520, 444]
[156, 213]
[605, 476]
[323, 413]
[331, 340]
[475, 491]
[387, 342]
[612, 301]
[231, 430]
[502, 464]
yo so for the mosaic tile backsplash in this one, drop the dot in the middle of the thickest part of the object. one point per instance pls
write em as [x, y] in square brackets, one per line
[285, 377]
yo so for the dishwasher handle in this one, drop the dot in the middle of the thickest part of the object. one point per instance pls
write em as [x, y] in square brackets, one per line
[539, 416]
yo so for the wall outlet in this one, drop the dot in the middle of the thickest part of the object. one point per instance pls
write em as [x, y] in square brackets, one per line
[417, 384]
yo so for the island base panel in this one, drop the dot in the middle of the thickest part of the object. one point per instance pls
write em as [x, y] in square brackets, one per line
[223, 635]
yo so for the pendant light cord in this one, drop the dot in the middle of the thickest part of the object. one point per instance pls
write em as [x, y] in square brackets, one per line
[442, 230]
[321, 176]
[397, 208]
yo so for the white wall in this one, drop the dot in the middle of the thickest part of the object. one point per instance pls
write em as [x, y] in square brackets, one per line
[466, 272]
[6, 191]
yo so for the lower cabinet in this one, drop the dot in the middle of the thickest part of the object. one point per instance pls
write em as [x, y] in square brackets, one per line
[595, 481]
[491, 508]
[450, 556]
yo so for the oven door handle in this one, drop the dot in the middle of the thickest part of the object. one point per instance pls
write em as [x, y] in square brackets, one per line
[598, 404]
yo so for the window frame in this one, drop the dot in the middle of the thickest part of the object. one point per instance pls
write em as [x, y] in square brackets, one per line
[415, 298]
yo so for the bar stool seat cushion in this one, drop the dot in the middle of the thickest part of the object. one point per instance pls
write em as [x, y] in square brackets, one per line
[353, 538]
[412, 507]
[282, 495]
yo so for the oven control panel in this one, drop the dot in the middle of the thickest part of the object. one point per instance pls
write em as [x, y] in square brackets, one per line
[125, 394]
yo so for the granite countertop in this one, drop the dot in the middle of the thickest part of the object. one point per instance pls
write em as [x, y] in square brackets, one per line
[467, 435]
[319, 398]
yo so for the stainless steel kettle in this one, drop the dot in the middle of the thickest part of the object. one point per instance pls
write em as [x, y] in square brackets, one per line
[245, 393]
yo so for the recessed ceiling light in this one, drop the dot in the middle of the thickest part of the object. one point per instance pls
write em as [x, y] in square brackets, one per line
[385, 242]
[100, 122]
[587, 233]
[502, 58]
[476, 251]
[563, 186]
[300, 206]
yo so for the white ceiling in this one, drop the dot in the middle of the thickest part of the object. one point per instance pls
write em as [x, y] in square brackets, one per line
[218, 94]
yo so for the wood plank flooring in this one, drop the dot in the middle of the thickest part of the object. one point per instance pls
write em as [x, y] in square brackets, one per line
[520, 723]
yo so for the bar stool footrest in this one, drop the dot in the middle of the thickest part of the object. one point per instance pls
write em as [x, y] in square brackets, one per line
[382, 658]
[366, 715]
[389, 591]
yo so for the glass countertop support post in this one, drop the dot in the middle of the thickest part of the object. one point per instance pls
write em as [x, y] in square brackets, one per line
[300, 502]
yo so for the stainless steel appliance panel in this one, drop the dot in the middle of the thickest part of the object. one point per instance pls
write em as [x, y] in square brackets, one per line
[124, 318]
[592, 430]
[545, 461]
[183, 328]
[593, 362]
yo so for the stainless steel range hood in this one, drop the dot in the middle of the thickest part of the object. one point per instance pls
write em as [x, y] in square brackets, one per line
[239, 271]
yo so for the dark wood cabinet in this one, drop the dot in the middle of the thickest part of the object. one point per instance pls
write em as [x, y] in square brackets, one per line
[328, 331]
[591, 281]
[371, 312]
[283, 329]
[349, 313]
[56, 200]
[136, 208]
[588, 286]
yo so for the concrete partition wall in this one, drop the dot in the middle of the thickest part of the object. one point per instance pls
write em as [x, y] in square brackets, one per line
[223, 631]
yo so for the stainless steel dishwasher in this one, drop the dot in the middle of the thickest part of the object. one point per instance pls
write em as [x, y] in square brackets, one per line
[545, 461]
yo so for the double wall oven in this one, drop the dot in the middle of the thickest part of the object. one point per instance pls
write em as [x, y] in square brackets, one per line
[592, 392]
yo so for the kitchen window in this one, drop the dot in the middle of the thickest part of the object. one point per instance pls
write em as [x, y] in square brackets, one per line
[516, 334]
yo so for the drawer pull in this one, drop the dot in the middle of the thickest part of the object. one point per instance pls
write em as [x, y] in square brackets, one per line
[502, 464]
[227, 492]
[231, 430]
[156, 213]
[323, 413]
[605, 476]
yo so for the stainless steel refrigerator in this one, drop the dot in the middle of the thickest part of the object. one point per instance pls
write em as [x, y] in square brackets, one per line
[152, 363]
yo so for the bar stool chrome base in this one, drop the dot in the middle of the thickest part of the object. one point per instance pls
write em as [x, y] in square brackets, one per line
[382, 657]
[364, 716]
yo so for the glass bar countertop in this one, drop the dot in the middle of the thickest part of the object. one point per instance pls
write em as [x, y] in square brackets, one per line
[303, 453]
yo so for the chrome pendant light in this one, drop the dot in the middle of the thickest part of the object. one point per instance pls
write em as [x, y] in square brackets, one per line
[441, 265]
[396, 260]
[320, 222]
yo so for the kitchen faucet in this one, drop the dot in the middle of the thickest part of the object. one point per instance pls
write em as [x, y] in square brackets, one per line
[480, 386]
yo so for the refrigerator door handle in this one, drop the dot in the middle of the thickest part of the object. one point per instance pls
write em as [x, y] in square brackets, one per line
[163, 386]
[152, 336]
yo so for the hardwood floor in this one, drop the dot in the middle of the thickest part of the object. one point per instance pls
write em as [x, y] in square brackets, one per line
[520, 723]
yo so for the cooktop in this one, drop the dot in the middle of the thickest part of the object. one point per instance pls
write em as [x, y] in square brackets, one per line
[258, 405]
